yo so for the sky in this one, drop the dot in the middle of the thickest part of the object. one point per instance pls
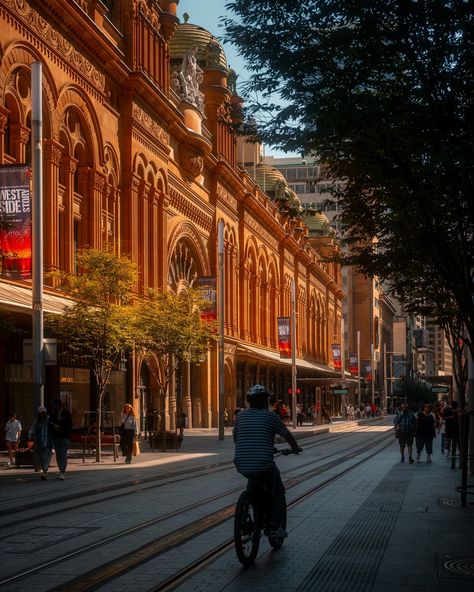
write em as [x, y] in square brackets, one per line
[206, 13]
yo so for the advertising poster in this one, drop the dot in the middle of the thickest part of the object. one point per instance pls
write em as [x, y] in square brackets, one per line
[15, 222]
[336, 355]
[207, 286]
[368, 371]
[353, 363]
[284, 337]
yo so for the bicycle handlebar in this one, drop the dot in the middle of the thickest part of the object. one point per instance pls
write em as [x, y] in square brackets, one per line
[286, 451]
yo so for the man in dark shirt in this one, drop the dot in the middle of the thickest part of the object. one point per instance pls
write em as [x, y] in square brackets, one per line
[405, 424]
[254, 436]
[61, 425]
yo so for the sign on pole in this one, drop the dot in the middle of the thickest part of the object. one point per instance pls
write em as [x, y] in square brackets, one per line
[284, 337]
[15, 222]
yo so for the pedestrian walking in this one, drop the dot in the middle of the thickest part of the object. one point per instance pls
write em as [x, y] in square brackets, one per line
[12, 437]
[61, 426]
[129, 430]
[405, 426]
[182, 422]
[425, 432]
[42, 436]
[452, 432]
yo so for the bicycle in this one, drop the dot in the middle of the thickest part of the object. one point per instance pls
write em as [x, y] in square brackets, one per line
[252, 516]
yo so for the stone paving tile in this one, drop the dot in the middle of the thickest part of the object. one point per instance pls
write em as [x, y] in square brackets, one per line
[313, 525]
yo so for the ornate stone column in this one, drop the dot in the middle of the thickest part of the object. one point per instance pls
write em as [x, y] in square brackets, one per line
[19, 138]
[66, 247]
[52, 161]
[3, 125]
[95, 199]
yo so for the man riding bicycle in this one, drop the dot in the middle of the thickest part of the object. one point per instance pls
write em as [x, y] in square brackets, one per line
[254, 436]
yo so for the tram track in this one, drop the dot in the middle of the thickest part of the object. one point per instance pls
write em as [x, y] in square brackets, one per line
[113, 569]
[154, 481]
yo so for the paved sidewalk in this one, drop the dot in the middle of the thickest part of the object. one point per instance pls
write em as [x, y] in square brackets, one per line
[198, 444]
[385, 527]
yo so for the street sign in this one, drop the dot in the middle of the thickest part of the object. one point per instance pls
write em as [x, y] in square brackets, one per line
[440, 389]
[341, 391]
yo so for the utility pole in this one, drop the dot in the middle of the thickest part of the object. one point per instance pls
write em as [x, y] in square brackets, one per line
[37, 231]
[220, 257]
[293, 352]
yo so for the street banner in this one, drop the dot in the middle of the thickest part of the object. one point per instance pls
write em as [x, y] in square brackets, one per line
[336, 355]
[207, 287]
[284, 337]
[15, 222]
[353, 367]
[368, 371]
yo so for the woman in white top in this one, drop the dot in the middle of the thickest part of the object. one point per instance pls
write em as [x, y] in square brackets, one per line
[129, 429]
[12, 437]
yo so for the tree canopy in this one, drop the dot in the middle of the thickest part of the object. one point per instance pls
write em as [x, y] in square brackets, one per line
[168, 327]
[382, 93]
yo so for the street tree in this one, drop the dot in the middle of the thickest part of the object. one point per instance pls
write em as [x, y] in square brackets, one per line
[381, 92]
[170, 329]
[97, 326]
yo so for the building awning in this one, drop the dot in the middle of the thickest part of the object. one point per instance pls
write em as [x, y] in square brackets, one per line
[272, 356]
[17, 298]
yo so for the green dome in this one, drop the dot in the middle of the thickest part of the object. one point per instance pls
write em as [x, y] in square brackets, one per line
[186, 36]
[317, 223]
[267, 176]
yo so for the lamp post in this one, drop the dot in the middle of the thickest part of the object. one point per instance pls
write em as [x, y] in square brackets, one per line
[220, 256]
[37, 231]
[293, 352]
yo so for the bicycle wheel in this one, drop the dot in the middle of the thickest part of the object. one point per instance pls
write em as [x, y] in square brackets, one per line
[246, 530]
[276, 543]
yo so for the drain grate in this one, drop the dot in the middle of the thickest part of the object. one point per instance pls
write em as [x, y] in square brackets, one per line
[460, 566]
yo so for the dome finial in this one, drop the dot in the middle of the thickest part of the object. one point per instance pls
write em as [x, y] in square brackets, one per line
[186, 17]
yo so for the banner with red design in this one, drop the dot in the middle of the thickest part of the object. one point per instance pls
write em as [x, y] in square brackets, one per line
[15, 222]
[207, 287]
[336, 355]
[284, 337]
[353, 366]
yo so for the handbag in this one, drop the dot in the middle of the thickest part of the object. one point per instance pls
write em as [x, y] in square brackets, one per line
[398, 433]
[136, 448]
[121, 429]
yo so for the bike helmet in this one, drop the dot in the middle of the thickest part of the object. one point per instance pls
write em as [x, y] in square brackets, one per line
[257, 390]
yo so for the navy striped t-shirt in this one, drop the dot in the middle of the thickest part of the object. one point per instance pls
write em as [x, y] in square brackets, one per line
[254, 435]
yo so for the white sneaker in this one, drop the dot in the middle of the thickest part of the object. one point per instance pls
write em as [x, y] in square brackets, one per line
[61, 477]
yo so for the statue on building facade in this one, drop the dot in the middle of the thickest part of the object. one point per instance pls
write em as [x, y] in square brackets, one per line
[186, 80]
[212, 54]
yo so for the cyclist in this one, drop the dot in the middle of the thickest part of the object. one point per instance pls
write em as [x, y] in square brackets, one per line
[254, 436]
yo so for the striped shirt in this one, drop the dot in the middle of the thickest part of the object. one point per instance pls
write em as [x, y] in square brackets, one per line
[254, 435]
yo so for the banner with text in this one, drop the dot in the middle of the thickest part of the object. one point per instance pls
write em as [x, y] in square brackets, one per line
[207, 287]
[284, 337]
[353, 366]
[336, 355]
[15, 222]
[368, 371]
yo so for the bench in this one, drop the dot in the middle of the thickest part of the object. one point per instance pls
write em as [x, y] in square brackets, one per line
[89, 441]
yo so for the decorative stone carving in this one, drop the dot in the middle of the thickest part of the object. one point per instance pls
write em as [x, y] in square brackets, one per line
[186, 80]
[150, 125]
[3, 122]
[232, 81]
[57, 43]
[212, 54]
[191, 161]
